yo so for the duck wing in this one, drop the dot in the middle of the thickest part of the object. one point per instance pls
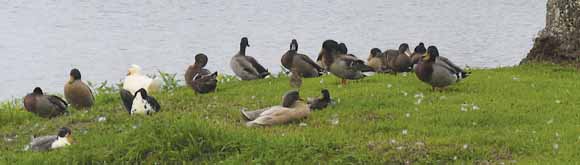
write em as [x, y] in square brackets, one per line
[452, 66]
[42, 143]
[58, 102]
[256, 65]
[309, 61]
[127, 99]
[153, 102]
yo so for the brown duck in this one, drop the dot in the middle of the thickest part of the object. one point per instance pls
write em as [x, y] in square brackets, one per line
[47, 106]
[300, 63]
[76, 92]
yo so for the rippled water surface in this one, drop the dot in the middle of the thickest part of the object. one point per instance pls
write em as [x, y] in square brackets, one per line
[41, 40]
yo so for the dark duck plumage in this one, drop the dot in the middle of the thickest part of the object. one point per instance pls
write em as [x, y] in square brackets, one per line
[418, 53]
[300, 63]
[77, 93]
[246, 67]
[140, 102]
[436, 72]
[376, 60]
[198, 78]
[321, 102]
[47, 106]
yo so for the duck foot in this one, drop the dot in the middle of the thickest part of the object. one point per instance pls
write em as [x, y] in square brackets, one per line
[343, 82]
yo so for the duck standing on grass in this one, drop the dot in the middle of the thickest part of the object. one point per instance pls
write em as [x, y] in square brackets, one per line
[292, 60]
[342, 65]
[198, 78]
[47, 106]
[76, 92]
[140, 102]
[321, 102]
[293, 108]
[246, 67]
[438, 74]
[45, 143]
[135, 81]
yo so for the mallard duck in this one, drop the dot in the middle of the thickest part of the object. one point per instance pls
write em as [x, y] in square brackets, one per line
[292, 60]
[342, 65]
[140, 102]
[418, 53]
[204, 83]
[199, 79]
[293, 108]
[321, 102]
[48, 106]
[437, 74]
[76, 92]
[246, 67]
[377, 60]
[402, 61]
[135, 81]
[45, 143]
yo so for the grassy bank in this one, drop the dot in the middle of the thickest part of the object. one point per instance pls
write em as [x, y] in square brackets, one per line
[520, 114]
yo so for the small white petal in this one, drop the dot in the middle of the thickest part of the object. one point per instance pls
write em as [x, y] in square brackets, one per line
[408, 115]
[303, 124]
[465, 146]
[556, 146]
[405, 132]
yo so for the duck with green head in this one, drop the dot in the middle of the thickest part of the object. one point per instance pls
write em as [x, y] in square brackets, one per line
[246, 67]
[437, 74]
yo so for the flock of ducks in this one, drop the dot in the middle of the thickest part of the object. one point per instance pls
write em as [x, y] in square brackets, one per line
[428, 65]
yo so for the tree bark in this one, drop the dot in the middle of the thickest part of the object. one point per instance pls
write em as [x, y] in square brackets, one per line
[559, 41]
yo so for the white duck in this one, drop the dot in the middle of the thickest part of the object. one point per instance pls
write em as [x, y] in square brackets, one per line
[135, 81]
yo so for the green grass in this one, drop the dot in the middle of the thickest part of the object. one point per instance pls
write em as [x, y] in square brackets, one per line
[521, 114]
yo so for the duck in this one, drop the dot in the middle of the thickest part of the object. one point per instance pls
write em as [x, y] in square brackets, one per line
[437, 74]
[293, 108]
[140, 102]
[295, 79]
[418, 53]
[342, 65]
[292, 60]
[321, 102]
[200, 79]
[135, 81]
[50, 142]
[77, 93]
[246, 67]
[47, 106]
[376, 60]
[402, 61]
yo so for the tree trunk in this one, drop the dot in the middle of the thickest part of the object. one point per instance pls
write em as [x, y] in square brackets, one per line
[559, 41]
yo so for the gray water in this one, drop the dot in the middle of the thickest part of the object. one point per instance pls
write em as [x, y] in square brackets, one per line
[41, 40]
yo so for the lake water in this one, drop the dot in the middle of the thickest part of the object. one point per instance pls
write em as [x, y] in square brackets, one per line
[41, 40]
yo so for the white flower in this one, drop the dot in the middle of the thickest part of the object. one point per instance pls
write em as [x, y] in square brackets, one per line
[404, 93]
[475, 107]
[419, 95]
[253, 97]
[555, 146]
[389, 85]
[455, 158]
[405, 132]
[558, 101]
[393, 141]
[408, 115]
[303, 124]
[321, 81]
[399, 147]
[101, 119]
[550, 121]
[515, 78]
[465, 146]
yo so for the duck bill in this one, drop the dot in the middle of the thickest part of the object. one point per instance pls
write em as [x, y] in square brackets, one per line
[426, 57]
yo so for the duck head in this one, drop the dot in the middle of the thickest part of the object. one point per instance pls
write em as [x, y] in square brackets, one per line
[200, 60]
[134, 70]
[37, 91]
[420, 48]
[75, 74]
[290, 98]
[342, 48]
[375, 52]
[325, 94]
[432, 54]
[329, 48]
[294, 45]
[141, 92]
[404, 48]
[66, 133]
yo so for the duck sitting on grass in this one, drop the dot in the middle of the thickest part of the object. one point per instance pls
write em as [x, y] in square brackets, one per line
[50, 142]
[293, 108]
